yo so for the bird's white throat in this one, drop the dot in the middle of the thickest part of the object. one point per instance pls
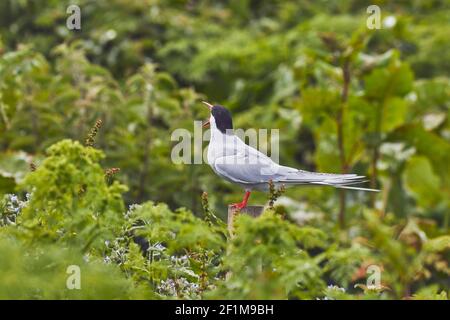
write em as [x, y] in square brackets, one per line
[221, 144]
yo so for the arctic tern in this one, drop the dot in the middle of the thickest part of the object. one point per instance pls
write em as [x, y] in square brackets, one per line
[241, 164]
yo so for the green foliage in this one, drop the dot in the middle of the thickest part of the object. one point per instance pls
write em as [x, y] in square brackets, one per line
[423, 182]
[45, 271]
[13, 167]
[182, 252]
[152, 251]
[265, 261]
[70, 197]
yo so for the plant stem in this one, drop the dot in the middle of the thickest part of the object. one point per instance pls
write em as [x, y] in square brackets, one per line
[340, 137]
[374, 177]
[147, 147]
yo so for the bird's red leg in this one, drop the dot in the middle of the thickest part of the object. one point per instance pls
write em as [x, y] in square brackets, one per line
[242, 204]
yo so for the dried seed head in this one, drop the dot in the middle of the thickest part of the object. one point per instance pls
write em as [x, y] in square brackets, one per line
[90, 140]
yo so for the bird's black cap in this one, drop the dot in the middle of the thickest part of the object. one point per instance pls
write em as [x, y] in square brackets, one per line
[222, 117]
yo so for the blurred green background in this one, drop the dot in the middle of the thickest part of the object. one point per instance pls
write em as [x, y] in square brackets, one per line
[344, 97]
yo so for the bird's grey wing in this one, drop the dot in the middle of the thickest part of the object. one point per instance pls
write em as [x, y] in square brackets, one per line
[240, 169]
[247, 165]
[243, 168]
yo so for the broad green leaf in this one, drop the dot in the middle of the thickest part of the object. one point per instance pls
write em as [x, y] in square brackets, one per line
[394, 80]
[318, 103]
[394, 113]
[423, 182]
[13, 167]
[428, 144]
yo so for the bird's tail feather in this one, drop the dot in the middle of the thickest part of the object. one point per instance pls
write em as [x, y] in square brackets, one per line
[341, 181]
[346, 186]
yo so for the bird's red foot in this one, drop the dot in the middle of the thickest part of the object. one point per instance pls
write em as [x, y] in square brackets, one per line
[239, 205]
[243, 204]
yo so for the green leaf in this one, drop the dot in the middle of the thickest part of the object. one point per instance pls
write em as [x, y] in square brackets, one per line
[317, 103]
[428, 144]
[423, 182]
[395, 80]
[394, 113]
[13, 167]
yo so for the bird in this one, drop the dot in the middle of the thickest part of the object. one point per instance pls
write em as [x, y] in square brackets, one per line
[235, 161]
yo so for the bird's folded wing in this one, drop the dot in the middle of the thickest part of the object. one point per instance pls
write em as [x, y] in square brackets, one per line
[255, 168]
[246, 169]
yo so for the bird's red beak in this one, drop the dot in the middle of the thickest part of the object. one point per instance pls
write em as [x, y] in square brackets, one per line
[210, 106]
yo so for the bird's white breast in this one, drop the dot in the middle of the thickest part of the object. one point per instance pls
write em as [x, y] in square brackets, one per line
[221, 145]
